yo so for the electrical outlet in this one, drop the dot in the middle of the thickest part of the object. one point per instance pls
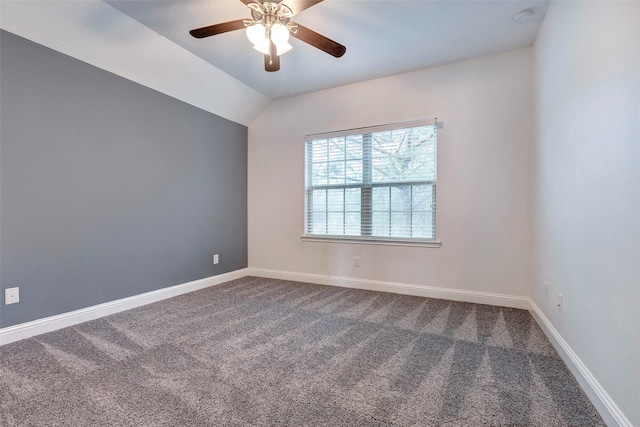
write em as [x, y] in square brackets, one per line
[356, 261]
[560, 303]
[11, 296]
[216, 259]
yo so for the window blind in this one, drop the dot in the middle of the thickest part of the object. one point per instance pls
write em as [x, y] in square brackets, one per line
[377, 182]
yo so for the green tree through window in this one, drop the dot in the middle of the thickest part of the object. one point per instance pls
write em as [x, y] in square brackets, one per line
[373, 183]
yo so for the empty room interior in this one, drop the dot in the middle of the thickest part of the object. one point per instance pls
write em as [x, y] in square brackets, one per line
[308, 212]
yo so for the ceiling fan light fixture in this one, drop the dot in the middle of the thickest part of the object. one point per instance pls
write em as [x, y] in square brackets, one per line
[279, 33]
[256, 34]
[282, 48]
[262, 46]
[280, 37]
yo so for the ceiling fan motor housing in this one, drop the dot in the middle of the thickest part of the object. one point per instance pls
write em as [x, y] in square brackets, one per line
[269, 13]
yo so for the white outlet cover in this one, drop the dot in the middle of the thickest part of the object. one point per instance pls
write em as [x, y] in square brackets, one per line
[560, 303]
[11, 295]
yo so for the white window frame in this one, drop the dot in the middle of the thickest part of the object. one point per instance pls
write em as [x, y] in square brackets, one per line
[366, 186]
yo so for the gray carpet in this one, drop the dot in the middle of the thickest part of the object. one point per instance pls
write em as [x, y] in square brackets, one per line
[267, 352]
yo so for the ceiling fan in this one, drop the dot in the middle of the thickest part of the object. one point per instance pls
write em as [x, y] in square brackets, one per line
[270, 28]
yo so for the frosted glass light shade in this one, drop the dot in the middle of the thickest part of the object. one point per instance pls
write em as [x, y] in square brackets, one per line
[283, 48]
[257, 34]
[279, 35]
[262, 47]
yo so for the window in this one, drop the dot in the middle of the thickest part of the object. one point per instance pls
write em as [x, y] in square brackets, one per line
[373, 184]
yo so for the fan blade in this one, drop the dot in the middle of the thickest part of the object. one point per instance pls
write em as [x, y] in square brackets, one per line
[298, 6]
[272, 61]
[212, 30]
[318, 40]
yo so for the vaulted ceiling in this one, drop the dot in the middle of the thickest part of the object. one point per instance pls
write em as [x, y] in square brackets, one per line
[148, 41]
[382, 37]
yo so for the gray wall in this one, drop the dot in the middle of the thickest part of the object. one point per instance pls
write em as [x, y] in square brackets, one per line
[107, 188]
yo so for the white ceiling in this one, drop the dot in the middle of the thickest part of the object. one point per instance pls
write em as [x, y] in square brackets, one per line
[148, 42]
[382, 37]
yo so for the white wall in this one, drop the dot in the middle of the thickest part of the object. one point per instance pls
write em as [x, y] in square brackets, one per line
[587, 187]
[483, 190]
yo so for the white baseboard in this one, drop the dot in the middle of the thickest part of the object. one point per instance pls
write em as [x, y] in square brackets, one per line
[607, 408]
[605, 405]
[59, 321]
[397, 288]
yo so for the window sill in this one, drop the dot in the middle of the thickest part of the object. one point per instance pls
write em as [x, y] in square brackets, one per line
[371, 241]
